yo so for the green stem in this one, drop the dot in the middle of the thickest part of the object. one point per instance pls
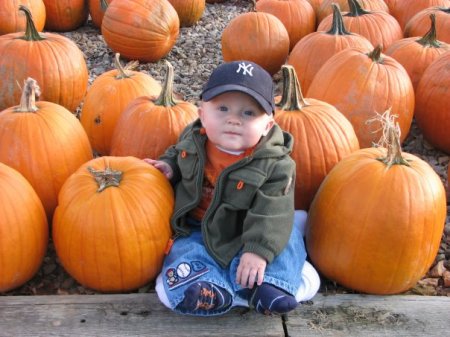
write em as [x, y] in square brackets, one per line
[166, 98]
[337, 27]
[429, 39]
[31, 33]
[292, 98]
[355, 9]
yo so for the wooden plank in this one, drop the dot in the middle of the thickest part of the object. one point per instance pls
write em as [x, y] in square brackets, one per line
[143, 315]
[368, 315]
[121, 315]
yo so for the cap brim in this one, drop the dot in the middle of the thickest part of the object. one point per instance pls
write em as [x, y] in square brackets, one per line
[213, 92]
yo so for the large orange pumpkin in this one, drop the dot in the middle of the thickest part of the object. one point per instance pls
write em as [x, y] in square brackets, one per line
[376, 222]
[112, 223]
[404, 10]
[65, 15]
[53, 60]
[12, 20]
[108, 97]
[144, 30]
[361, 84]
[256, 36]
[149, 125]
[23, 230]
[323, 136]
[379, 27]
[432, 108]
[44, 142]
[311, 52]
[297, 16]
[418, 24]
[416, 54]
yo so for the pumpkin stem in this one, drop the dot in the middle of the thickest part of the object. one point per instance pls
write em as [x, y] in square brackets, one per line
[429, 39]
[253, 8]
[123, 71]
[375, 54]
[355, 9]
[103, 5]
[30, 91]
[292, 98]
[106, 178]
[166, 98]
[337, 27]
[31, 33]
[390, 139]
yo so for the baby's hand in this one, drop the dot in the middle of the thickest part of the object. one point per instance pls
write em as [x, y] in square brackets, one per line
[250, 270]
[162, 166]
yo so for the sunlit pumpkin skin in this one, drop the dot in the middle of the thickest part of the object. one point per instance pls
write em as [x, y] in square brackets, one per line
[23, 230]
[323, 136]
[373, 228]
[149, 125]
[404, 10]
[113, 240]
[13, 21]
[97, 10]
[258, 37]
[297, 16]
[309, 54]
[53, 60]
[148, 34]
[418, 24]
[325, 8]
[362, 84]
[432, 103]
[107, 98]
[44, 142]
[416, 54]
[189, 11]
[379, 27]
[65, 15]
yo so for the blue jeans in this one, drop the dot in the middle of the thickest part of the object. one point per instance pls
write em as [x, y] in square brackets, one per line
[189, 262]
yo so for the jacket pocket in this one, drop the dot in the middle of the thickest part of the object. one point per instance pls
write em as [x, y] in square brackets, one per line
[187, 161]
[242, 186]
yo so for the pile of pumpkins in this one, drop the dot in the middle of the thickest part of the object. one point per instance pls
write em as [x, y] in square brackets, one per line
[376, 215]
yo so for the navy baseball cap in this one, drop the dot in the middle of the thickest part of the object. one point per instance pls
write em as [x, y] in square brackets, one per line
[243, 76]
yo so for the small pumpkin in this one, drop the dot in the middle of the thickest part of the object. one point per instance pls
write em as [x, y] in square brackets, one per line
[416, 54]
[258, 37]
[360, 84]
[65, 15]
[296, 15]
[432, 113]
[44, 142]
[311, 52]
[108, 97]
[111, 225]
[53, 60]
[149, 125]
[23, 228]
[189, 11]
[144, 30]
[323, 136]
[375, 225]
[13, 21]
[418, 24]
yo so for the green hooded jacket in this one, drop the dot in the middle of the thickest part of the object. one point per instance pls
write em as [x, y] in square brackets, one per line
[257, 217]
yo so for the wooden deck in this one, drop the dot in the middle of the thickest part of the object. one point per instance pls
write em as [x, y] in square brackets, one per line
[143, 315]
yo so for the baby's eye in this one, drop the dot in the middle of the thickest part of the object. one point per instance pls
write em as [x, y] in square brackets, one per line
[249, 113]
[223, 108]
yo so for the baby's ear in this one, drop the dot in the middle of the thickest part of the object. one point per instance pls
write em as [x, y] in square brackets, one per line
[269, 126]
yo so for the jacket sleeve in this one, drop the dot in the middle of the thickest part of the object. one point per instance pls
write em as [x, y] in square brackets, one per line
[268, 224]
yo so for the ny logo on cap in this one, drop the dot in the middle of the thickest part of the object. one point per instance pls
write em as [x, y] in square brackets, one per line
[246, 69]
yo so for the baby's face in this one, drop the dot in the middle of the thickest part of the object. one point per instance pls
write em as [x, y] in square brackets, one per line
[234, 121]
